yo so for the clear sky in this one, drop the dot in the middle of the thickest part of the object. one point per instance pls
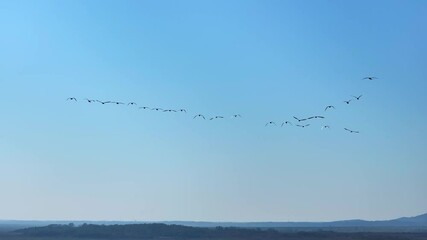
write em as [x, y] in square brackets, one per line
[266, 60]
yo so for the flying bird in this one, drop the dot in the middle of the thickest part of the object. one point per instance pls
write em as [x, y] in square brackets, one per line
[199, 115]
[303, 126]
[329, 107]
[326, 127]
[351, 131]
[103, 102]
[183, 110]
[300, 120]
[358, 98]
[144, 108]
[72, 99]
[315, 117]
[270, 123]
[287, 122]
[169, 110]
[157, 109]
[117, 103]
[89, 100]
[132, 103]
[370, 78]
[348, 102]
[236, 115]
[212, 118]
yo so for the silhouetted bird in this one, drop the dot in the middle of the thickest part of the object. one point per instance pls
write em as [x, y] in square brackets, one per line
[370, 78]
[199, 115]
[183, 110]
[315, 117]
[303, 126]
[325, 127]
[287, 122]
[270, 123]
[157, 109]
[216, 117]
[300, 120]
[236, 115]
[89, 100]
[132, 103]
[117, 103]
[348, 102]
[351, 131]
[72, 99]
[103, 102]
[328, 107]
[169, 110]
[144, 108]
[357, 98]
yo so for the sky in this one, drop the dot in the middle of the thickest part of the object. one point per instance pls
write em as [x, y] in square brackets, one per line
[266, 60]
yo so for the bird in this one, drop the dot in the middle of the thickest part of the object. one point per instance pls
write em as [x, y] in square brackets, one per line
[270, 123]
[157, 109]
[72, 99]
[326, 127]
[303, 126]
[370, 78]
[236, 115]
[183, 110]
[144, 108]
[117, 103]
[351, 131]
[315, 117]
[132, 103]
[212, 118]
[103, 102]
[300, 120]
[358, 98]
[199, 115]
[286, 122]
[348, 102]
[89, 100]
[169, 110]
[329, 107]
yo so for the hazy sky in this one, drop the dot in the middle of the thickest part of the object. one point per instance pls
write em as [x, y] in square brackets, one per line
[266, 60]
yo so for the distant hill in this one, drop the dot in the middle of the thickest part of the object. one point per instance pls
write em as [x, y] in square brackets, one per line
[163, 231]
[417, 221]
[404, 222]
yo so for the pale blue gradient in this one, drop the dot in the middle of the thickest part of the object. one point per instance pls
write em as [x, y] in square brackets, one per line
[267, 60]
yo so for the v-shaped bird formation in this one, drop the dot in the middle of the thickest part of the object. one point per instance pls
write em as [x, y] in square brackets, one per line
[300, 121]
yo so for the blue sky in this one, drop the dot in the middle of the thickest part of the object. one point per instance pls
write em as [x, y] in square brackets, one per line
[266, 60]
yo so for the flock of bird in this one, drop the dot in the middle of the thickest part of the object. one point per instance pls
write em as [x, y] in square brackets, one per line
[300, 121]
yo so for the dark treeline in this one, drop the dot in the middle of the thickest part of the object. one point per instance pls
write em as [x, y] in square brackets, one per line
[163, 231]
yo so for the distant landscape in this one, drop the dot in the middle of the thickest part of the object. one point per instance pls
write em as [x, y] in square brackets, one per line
[401, 228]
